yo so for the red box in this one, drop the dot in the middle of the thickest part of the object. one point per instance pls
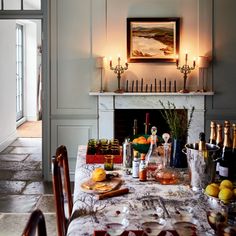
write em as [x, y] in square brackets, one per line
[99, 158]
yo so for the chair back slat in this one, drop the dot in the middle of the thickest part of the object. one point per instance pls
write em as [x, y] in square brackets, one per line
[62, 156]
[36, 223]
[60, 170]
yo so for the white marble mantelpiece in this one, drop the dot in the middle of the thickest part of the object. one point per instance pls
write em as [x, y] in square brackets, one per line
[109, 101]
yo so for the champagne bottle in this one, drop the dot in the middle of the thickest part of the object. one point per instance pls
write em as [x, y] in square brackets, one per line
[226, 168]
[202, 145]
[234, 151]
[219, 142]
[213, 133]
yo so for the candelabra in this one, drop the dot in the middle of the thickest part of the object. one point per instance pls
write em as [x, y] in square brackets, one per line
[119, 69]
[185, 69]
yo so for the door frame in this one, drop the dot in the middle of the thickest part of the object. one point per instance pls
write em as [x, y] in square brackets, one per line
[42, 15]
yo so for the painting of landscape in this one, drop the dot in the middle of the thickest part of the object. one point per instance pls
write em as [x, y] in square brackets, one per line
[152, 40]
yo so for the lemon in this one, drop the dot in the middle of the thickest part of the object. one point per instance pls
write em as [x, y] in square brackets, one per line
[215, 184]
[212, 190]
[98, 174]
[226, 184]
[225, 194]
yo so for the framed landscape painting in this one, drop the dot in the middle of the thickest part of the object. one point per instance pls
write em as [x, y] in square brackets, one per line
[152, 39]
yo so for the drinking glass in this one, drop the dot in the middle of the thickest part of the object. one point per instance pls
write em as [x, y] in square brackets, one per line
[153, 227]
[186, 228]
[116, 228]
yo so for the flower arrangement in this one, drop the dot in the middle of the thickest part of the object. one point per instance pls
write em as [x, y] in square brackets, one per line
[176, 120]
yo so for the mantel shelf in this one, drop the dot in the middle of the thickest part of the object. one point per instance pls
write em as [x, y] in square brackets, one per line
[151, 94]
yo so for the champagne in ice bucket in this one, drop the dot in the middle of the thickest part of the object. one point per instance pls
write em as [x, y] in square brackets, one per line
[202, 168]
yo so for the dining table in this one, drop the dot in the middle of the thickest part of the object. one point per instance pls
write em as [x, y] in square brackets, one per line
[172, 203]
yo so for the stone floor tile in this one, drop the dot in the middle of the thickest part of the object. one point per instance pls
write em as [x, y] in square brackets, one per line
[51, 224]
[19, 166]
[11, 187]
[7, 150]
[26, 175]
[26, 150]
[18, 203]
[34, 157]
[6, 174]
[13, 157]
[38, 188]
[47, 203]
[27, 142]
[13, 224]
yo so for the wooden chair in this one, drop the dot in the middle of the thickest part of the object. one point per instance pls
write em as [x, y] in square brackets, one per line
[59, 165]
[35, 223]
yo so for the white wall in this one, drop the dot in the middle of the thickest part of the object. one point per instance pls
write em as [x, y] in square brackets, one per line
[8, 83]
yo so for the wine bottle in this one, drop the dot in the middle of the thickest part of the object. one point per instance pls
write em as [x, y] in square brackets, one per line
[234, 151]
[226, 168]
[219, 142]
[202, 145]
[213, 133]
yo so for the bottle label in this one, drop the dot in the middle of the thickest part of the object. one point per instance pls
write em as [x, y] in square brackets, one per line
[223, 171]
[217, 167]
[135, 173]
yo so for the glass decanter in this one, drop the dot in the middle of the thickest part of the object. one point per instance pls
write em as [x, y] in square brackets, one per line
[166, 175]
[153, 159]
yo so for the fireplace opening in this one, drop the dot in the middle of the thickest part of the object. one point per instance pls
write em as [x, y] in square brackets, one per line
[124, 122]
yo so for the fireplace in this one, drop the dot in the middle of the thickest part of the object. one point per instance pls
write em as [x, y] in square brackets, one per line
[124, 121]
[110, 103]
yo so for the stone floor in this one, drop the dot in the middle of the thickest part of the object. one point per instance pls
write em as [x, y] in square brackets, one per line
[22, 189]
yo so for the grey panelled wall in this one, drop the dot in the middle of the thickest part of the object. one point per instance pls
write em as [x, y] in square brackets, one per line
[82, 30]
[222, 106]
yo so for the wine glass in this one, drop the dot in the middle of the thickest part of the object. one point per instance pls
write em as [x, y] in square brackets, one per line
[186, 228]
[116, 228]
[153, 227]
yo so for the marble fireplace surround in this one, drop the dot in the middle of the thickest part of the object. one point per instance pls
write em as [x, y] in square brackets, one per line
[109, 101]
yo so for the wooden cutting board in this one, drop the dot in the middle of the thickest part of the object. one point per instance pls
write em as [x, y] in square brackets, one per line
[90, 186]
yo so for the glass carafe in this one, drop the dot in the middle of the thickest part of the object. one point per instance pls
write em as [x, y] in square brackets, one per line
[166, 175]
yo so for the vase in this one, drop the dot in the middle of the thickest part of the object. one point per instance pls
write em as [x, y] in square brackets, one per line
[178, 159]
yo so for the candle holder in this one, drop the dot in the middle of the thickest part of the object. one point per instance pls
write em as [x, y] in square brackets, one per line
[119, 69]
[185, 69]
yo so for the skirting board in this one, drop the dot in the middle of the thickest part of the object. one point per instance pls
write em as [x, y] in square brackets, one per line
[5, 143]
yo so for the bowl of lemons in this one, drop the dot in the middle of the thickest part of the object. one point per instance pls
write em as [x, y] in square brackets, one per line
[220, 198]
[222, 192]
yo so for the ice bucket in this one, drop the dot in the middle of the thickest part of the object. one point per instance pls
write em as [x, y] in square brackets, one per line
[202, 170]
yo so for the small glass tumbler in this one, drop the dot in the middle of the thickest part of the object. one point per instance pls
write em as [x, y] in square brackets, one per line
[108, 162]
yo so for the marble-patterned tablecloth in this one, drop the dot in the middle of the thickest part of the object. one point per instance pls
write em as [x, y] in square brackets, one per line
[90, 213]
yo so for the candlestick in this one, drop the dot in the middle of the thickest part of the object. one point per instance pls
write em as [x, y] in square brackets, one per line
[119, 69]
[160, 86]
[185, 69]
[142, 85]
[169, 86]
[165, 85]
[175, 90]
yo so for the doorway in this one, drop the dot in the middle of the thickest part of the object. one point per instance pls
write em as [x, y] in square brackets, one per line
[25, 12]
[28, 78]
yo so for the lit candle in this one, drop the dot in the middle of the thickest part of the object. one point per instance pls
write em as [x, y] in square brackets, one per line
[186, 57]
[110, 62]
[177, 60]
[194, 62]
[118, 59]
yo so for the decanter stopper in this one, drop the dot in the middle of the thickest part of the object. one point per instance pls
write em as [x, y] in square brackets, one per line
[165, 137]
